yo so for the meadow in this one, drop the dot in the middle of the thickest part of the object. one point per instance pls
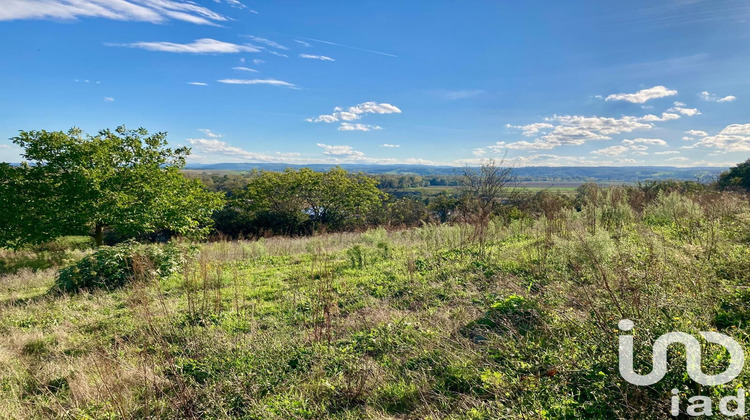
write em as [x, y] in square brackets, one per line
[517, 319]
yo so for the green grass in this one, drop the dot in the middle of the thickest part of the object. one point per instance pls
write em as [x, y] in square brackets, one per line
[419, 323]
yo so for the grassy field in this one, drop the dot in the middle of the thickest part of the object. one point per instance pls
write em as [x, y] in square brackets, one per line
[434, 322]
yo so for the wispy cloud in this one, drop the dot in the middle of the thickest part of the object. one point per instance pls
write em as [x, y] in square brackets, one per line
[345, 151]
[210, 133]
[303, 43]
[197, 83]
[390, 145]
[154, 11]
[240, 68]
[258, 61]
[643, 95]
[272, 82]
[226, 152]
[199, 46]
[710, 97]
[458, 94]
[317, 57]
[109, 99]
[680, 107]
[236, 4]
[268, 42]
[349, 46]
[356, 112]
[358, 127]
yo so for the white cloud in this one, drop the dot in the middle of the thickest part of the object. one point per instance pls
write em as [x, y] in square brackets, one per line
[686, 138]
[267, 42]
[197, 83]
[710, 97]
[199, 46]
[546, 159]
[611, 151]
[240, 68]
[317, 57]
[650, 142]
[561, 130]
[531, 129]
[479, 152]
[678, 159]
[698, 133]
[236, 4]
[665, 116]
[668, 152]
[680, 107]
[643, 95]
[303, 43]
[215, 147]
[258, 61]
[109, 99]
[358, 127]
[272, 82]
[4, 146]
[420, 161]
[210, 133]
[390, 145]
[278, 54]
[342, 151]
[733, 138]
[153, 11]
[356, 112]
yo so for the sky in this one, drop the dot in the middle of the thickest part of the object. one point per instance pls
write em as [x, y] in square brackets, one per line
[536, 83]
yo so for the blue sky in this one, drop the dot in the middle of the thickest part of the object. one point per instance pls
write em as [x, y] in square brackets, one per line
[436, 82]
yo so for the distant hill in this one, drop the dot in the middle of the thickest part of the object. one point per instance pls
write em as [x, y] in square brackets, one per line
[527, 173]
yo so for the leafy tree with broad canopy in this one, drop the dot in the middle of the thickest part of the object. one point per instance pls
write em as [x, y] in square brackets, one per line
[296, 201]
[737, 177]
[77, 184]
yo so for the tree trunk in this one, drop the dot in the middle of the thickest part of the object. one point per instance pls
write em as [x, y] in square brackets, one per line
[99, 235]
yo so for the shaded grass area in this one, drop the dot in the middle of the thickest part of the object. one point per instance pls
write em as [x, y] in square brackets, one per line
[420, 323]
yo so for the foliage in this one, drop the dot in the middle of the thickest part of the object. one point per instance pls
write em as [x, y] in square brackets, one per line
[304, 201]
[427, 322]
[76, 184]
[116, 266]
[737, 177]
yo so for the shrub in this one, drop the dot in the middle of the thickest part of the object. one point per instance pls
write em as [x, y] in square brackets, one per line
[672, 208]
[115, 266]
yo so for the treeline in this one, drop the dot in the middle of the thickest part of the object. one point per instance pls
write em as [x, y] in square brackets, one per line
[303, 202]
[217, 181]
[125, 184]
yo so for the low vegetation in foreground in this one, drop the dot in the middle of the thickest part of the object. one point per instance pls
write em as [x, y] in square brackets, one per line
[516, 318]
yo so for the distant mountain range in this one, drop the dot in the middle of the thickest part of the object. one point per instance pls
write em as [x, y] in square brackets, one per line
[526, 173]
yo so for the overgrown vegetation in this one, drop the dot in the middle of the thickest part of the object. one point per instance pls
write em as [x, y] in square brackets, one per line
[428, 322]
[480, 303]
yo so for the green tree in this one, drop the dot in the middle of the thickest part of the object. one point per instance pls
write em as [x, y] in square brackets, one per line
[295, 201]
[124, 180]
[737, 177]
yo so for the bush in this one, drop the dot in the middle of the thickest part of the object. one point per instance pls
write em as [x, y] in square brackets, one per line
[116, 266]
[673, 208]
